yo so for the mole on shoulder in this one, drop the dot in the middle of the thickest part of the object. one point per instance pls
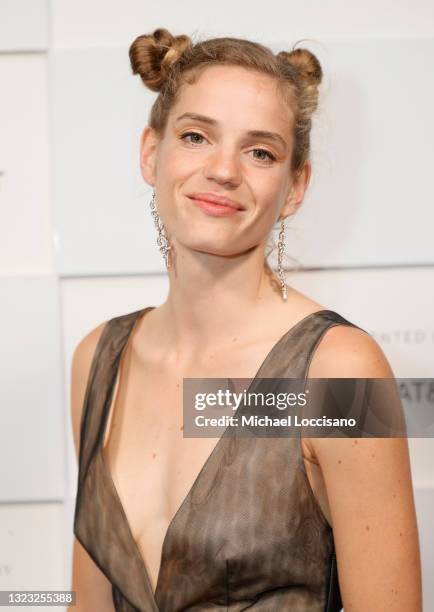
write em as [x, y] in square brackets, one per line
[339, 460]
[367, 527]
[154, 455]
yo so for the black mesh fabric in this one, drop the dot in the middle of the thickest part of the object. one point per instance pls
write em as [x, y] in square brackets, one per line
[249, 535]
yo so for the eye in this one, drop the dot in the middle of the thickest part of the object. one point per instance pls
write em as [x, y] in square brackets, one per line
[269, 155]
[184, 136]
[268, 159]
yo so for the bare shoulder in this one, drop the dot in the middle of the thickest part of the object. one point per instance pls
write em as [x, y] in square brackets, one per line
[80, 368]
[85, 349]
[345, 351]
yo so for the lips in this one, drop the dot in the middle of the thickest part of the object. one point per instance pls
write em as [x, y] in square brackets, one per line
[213, 198]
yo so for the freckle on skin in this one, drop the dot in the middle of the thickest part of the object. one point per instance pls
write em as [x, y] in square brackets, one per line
[154, 455]
[367, 528]
[339, 460]
[373, 454]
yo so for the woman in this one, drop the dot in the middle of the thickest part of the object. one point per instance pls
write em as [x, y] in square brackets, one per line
[169, 523]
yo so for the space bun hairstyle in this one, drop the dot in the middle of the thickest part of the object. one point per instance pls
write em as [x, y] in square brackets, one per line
[165, 63]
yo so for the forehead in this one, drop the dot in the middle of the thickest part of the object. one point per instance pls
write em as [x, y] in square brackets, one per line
[236, 97]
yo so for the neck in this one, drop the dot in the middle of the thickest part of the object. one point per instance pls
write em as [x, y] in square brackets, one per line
[213, 298]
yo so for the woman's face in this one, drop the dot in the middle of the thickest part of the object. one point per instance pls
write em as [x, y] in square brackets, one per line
[210, 146]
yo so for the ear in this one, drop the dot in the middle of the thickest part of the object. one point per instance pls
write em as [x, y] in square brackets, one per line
[148, 151]
[296, 192]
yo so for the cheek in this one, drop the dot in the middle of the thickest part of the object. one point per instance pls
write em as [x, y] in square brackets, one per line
[177, 167]
[268, 216]
[268, 196]
[176, 161]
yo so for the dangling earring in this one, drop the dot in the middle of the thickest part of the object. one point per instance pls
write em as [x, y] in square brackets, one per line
[162, 240]
[280, 250]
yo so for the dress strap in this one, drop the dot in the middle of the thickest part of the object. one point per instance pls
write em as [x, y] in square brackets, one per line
[100, 385]
[296, 351]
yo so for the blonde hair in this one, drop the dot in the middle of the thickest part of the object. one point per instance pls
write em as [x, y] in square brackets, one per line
[166, 62]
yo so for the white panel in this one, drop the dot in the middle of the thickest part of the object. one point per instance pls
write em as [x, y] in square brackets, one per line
[104, 224]
[394, 305]
[422, 461]
[424, 500]
[88, 302]
[23, 25]
[104, 22]
[32, 438]
[25, 208]
[32, 550]
[370, 198]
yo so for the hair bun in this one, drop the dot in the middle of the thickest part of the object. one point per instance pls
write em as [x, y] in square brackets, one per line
[309, 72]
[152, 56]
[307, 65]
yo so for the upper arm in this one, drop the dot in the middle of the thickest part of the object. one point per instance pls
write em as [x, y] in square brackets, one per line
[93, 589]
[369, 488]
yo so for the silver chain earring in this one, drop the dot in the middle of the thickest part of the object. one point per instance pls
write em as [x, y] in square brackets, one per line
[162, 240]
[280, 250]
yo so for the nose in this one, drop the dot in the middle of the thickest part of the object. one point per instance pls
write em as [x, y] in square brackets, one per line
[223, 166]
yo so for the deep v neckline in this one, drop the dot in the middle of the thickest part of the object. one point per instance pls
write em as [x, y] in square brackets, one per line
[107, 472]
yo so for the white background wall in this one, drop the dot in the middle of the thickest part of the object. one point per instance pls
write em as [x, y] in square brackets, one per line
[77, 243]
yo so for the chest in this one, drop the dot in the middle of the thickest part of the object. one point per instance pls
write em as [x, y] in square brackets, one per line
[152, 465]
[154, 468]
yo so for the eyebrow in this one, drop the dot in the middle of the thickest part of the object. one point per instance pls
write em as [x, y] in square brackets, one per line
[274, 136]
